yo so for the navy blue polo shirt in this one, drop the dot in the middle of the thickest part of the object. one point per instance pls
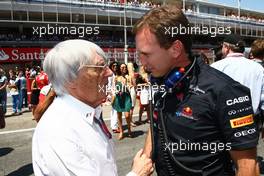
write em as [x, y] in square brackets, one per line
[214, 117]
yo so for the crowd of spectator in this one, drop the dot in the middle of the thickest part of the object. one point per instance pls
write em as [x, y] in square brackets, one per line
[23, 86]
[148, 4]
[246, 18]
[134, 3]
[104, 40]
[233, 16]
[128, 85]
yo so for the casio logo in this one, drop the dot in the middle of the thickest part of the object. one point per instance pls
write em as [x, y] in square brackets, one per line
[245, 132]
[237, 100]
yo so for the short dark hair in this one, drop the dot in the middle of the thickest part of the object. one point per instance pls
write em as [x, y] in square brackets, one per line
[235, 43]
[113, 63]
[165, 17]
[257, 49]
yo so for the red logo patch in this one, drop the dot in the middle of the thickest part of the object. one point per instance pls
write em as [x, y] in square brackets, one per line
[187, 111]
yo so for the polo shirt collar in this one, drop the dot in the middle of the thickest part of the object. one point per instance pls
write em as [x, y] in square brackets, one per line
[87, 112]
[235, 55]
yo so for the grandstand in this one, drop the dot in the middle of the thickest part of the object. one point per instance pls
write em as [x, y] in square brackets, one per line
[106, 22]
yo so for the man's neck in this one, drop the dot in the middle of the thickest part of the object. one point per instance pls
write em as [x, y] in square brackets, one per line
[182, 61]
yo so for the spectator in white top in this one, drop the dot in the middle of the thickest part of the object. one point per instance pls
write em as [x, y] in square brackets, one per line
[71, 137]
[14, 85]
[111, 87]
[22, 90]
[33, 72]
[257, 51]
[241, 69]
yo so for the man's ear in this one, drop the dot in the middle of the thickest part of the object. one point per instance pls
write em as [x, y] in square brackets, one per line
[228, 49]
[71, 85]
[176, 48]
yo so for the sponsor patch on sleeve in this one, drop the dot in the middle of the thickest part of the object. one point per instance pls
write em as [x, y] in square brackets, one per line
[242, 121]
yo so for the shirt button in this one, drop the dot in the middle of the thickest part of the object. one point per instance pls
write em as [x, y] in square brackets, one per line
[88, 115]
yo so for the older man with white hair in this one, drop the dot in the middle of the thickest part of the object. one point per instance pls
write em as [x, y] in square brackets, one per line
[71, 138]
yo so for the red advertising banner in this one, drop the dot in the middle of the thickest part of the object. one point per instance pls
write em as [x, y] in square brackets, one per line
[20, 55]
[118, 54]
[15, 55]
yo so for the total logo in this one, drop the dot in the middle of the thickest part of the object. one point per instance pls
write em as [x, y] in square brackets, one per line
[237, 100]
[186, 112]
[245, 132]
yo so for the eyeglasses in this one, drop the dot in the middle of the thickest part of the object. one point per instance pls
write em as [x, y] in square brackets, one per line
[103, 67]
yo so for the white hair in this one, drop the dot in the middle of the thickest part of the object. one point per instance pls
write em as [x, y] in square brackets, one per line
[62, 62]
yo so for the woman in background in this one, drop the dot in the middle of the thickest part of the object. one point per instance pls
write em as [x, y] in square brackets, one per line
[132, 89]
[14, 84]
[35, 91]
[143, 86]
[122, 100]
[111, 87]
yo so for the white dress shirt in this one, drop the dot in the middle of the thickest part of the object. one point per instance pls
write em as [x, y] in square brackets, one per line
[262, 91]
[246, 72]
[67, 142]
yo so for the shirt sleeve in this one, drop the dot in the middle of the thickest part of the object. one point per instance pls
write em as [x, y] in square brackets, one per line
[131, 173]
[235, 116]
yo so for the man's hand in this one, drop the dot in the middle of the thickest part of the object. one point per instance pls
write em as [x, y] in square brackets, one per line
[142, 165]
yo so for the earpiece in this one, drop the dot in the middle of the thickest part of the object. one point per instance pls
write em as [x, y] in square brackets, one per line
[173, 77]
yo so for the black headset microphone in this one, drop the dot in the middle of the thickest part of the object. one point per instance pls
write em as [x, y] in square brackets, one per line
[172, 79]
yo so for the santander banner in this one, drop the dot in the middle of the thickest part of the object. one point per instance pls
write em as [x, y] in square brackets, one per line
[22, 54]
[17, 55]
